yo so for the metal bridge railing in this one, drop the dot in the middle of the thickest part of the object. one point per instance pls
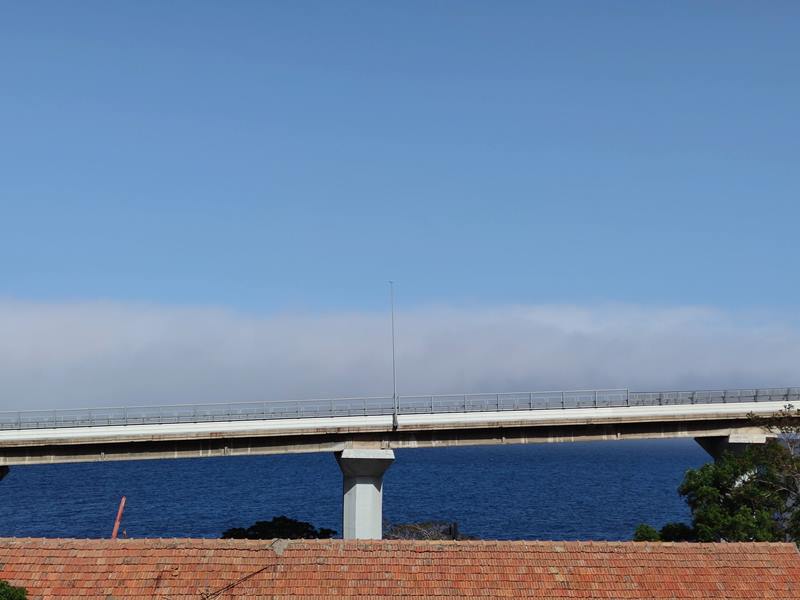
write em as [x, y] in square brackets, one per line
[381, 405]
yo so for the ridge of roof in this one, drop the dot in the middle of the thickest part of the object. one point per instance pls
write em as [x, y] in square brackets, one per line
[181, 542]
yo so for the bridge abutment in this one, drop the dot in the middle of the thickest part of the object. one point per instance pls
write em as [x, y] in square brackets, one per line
[362, 496]
[735, 443]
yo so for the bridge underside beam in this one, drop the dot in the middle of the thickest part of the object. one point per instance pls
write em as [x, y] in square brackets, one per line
[734, 443]
[337, 442]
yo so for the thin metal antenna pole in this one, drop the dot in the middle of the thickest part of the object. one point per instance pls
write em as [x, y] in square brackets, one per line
[395, 399]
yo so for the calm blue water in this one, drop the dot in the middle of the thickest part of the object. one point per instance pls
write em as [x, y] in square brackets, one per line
[597, 490]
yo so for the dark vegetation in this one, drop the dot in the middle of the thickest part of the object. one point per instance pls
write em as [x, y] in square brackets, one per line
[749, 496]
[427, 530]
[279, 527]
[285, 528]
[9, 592]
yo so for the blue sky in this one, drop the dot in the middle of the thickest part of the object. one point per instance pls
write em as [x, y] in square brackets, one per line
[294, 156]
[557, 183]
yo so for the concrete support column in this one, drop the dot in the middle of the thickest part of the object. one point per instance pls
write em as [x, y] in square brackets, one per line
[362, 510]
[734, 443]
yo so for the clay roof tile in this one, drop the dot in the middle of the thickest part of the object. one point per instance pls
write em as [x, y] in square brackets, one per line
[134, 569]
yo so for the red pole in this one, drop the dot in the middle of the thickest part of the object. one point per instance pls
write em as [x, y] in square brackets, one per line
[119, 518]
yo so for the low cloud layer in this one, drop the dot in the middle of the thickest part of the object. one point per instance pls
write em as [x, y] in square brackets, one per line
[106, 354]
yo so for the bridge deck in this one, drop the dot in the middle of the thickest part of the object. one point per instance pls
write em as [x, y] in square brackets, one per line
[35, 437]
[381, 406]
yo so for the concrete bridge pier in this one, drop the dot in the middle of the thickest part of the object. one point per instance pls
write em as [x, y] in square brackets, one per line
[734, 443]
[362, 510]
[3, 471]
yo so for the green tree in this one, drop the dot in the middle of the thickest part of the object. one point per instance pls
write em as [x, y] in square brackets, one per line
[786, 426]
[646, 533]
[279, 527]
[748, 496]
[752, 496]
[741, 497]
[677, 532]
[671, 532]
[9, 592]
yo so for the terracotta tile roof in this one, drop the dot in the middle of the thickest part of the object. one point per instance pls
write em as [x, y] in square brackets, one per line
[186, 569]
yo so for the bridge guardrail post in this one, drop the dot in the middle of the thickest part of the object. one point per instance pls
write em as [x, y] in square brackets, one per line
[530, 400]
[497, 402]
[562, 399]
[465, 403]
[595, 398]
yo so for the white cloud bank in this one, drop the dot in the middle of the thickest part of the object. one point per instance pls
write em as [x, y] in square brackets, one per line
[92, 354]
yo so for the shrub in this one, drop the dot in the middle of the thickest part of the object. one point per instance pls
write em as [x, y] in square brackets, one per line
[279, 527]
[646, 533]
[9, 592]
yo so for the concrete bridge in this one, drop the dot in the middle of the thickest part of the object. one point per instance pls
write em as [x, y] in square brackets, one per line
[363, 432]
